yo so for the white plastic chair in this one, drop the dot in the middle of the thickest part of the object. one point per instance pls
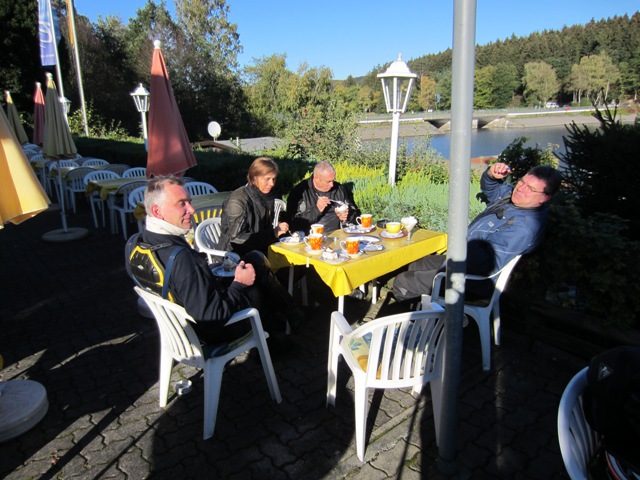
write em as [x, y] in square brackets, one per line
[203, 213]
[136, 196]
[279, 205]
[119, 168]
[135, 172]
[94, 197]
[207, 237]
[481, 311]
[578, 441]
[74, 183]
[398, 351]
[94, 162]
[119, 202]
[199, 188]
[180, 343]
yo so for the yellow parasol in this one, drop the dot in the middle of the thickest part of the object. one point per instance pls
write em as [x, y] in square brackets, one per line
[21, 195]
[58, 142]
[14, 120]
[169, 148]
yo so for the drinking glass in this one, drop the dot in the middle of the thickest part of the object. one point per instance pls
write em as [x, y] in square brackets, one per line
[409, 223]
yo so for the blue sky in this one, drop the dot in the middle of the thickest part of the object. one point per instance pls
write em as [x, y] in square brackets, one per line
[353, 36]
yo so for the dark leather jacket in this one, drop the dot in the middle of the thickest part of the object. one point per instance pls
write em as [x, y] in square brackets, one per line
[247, 221]
[302, 210]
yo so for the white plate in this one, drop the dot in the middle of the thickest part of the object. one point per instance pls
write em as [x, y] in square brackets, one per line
[341, 259]
[221, 272]
[292, 241]
[358, 229]
[365, 238]
[313, 252]
[400, 234]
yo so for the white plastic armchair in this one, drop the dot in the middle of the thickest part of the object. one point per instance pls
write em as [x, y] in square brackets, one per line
[135, 172]
[180, 343]
[578, 441]
[279, 205]
[119, 202]
[95, 162]
[480, 311]
[74, 183]
[94, 198]
[398, 351]
[207, 237]
[136, 196]
[199, 188]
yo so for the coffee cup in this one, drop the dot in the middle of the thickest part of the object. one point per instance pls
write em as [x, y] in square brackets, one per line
[317, 228]
[342, 209]
[364, 220]
[314, 242]
[393, 227]
[350, 245]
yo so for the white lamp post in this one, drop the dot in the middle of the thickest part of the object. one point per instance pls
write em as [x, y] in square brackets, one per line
[397, 82]
[141, 99]
[66, 107]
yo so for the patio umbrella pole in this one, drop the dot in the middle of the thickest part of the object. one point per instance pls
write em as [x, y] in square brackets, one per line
[65, 234]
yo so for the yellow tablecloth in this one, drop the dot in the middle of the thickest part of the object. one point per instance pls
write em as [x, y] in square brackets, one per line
[197, 201]
[343, 278]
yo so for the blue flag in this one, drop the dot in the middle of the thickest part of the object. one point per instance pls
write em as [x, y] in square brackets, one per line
[46, 28]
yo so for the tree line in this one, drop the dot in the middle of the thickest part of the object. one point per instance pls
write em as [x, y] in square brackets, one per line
[595, 63]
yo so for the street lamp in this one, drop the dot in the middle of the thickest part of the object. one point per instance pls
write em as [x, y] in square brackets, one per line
[397, 82]
[141, 99]
[66, 107]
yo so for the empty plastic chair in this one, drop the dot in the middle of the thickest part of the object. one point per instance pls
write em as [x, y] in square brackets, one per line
[94, 198]
[120, 204]
[207, 238]
[135, 172]
[94, 162]
[199, 188]
[118, 168]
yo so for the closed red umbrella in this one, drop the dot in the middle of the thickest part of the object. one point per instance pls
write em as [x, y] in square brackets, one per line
[38, 115]
[170, 151]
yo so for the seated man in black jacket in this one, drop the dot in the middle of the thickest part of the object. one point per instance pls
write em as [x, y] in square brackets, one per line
[311, 201]
[207, 299]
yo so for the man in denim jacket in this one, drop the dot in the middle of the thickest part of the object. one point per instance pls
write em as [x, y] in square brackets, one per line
[512, 224]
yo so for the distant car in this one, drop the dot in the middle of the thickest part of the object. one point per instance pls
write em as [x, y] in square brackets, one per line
[551, 105]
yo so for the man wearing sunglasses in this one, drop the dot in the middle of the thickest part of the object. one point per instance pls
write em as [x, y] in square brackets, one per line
[512, 224]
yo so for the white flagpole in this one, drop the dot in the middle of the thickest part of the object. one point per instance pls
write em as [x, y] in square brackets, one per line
[72, 33]
[55, 49]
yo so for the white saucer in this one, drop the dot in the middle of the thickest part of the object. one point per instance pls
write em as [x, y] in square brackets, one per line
[358, 229]
[400, 234]
[341, 259]
[221, 272]
[365, 238]
[313, 252]
[371, 247]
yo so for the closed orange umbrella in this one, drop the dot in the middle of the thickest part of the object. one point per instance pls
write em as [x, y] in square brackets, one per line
[38, 115]
[21, 195]
[14, 120]
[170, 151]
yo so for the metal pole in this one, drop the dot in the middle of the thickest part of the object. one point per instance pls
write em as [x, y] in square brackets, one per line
[464, 31]
[55, 49]
[393, 158]
[144, 130]
[72, 33]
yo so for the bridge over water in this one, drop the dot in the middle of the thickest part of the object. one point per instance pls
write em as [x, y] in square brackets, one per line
[440, 121]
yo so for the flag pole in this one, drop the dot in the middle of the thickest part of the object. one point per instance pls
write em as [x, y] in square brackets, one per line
[55, 49]
[74, 41]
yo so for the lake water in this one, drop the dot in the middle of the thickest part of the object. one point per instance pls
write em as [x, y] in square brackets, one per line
[486, 142]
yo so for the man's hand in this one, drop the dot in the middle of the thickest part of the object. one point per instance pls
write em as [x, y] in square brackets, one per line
[245, 274]
[499, 170]
[322, 203]
[281, 229]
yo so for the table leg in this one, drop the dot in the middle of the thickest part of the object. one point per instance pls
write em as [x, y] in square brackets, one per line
[290, 283]
[341, 304]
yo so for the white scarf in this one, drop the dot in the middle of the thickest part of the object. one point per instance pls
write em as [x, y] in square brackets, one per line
[157, 225]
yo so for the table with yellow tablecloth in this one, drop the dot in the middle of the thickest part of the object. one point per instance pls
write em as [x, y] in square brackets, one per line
[344, 277]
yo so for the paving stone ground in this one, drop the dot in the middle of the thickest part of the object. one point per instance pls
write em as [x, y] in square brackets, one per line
[69, 321]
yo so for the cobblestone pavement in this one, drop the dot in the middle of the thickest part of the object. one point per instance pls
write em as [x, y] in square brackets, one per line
[69, 321]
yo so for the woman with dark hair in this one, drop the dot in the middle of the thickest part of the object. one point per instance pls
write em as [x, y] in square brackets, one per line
[248, 213]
